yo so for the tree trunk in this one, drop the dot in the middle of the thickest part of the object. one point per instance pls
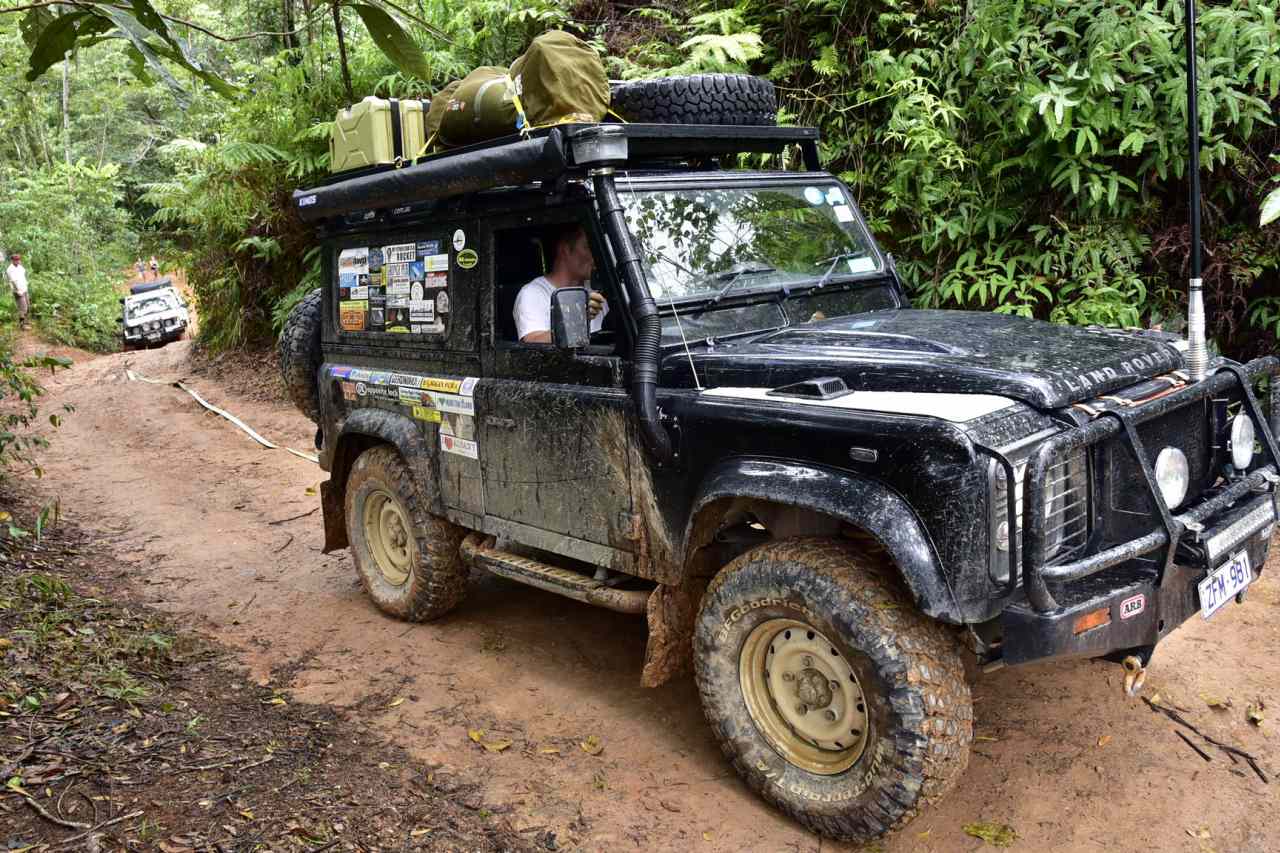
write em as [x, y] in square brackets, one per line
[342, 51]
[66, 111]
[290, 39]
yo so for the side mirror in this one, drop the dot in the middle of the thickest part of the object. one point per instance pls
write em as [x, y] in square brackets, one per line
[570, 323]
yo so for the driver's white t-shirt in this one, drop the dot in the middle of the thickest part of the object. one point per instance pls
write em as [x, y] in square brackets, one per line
[533, 309]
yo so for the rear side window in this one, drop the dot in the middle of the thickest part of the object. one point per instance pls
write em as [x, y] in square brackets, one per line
[393, 287]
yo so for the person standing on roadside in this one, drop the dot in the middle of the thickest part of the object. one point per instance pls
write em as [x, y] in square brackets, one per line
[142, 276]
[155, 268]
[16, 273]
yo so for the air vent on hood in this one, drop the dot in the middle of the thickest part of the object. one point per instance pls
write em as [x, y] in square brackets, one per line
[819, 388]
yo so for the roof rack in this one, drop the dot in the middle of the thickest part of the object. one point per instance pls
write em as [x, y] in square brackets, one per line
[542, 155]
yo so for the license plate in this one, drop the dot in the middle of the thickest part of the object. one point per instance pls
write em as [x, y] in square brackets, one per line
[1224, 583]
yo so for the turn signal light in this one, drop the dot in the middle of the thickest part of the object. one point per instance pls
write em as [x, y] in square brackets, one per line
[1093, 619]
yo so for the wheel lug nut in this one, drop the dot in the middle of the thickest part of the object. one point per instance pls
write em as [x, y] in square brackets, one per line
[834, 685]
[831, 716]
[808, 661]
[786, 676]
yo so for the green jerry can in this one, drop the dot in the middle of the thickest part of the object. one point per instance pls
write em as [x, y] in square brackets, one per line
[377, 132]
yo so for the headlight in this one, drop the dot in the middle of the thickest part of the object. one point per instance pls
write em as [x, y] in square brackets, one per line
[1172, 476]
[1241, 442]
[1065, 506]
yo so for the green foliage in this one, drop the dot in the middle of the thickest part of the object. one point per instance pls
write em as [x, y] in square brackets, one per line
[1030, 157]
[20, 392]
[68, 223]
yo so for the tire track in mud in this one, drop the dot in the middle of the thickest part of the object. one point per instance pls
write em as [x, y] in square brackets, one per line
[187, 500]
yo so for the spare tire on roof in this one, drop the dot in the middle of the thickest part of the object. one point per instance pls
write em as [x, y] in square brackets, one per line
[144, 287]
[300, 355]
[739, 99]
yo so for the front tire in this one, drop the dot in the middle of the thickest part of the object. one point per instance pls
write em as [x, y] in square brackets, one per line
[832, 696]
[408, 560]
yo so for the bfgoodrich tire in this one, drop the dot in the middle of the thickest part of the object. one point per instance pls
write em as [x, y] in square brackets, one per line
[833, 697]
[738, 99]
[300, 355]
[408, 560]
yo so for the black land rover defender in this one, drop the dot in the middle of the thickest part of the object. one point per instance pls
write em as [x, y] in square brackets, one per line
[819, 496]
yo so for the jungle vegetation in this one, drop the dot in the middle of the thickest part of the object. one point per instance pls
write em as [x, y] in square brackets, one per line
[1024, 156]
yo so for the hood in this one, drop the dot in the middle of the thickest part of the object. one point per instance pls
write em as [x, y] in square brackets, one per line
[963, 352]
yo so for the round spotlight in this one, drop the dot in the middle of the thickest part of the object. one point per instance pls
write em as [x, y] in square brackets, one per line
[1241, 442]
[1172, 476]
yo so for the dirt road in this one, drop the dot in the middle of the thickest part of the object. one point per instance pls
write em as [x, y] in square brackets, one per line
[201, 513]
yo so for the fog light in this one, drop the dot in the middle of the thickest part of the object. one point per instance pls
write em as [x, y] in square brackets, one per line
[1172, 476]
[1241, 442]
[1092, 619]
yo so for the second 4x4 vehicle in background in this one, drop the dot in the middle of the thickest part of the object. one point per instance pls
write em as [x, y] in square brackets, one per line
[822, 497]
[153, 314]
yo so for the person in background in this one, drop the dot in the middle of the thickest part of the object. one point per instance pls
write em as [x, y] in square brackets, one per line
[141, 269]
[155, 268]
[16, 273]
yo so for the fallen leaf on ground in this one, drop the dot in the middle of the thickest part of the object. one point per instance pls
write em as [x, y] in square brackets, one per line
[1217, 703]
[418, 833]
[1199, 832]
[5, 642]
[311, 490]
[549, 750]
[706, 836]
[1254, 712]
[984, 737]
[1104, 740]
[496, 745]
[476, 734]
[592, 745]
[995, 834]
[396, 703]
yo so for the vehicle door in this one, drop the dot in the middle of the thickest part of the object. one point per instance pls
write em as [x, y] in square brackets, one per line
[556, 426]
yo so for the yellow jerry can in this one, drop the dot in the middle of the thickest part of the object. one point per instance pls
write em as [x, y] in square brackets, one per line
[377, 132]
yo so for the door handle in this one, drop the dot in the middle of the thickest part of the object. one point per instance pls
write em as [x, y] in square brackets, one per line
[505, 423]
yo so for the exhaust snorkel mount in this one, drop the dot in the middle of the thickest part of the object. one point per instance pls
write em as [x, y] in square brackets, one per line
[600, 149]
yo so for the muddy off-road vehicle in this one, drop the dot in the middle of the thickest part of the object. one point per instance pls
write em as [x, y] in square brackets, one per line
[153, 314]
[819, 497]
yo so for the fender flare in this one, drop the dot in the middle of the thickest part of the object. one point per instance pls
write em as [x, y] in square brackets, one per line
[861, 501]
[356, 433]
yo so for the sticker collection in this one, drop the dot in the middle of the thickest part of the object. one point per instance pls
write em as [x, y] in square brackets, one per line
[402, 287]
[432, 399]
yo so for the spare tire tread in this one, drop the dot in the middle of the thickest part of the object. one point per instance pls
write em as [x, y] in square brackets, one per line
[300, 353]
[733, 99]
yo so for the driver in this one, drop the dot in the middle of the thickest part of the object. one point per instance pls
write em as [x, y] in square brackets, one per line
[572, 267]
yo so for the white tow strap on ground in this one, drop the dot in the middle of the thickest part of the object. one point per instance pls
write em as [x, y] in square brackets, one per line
[137, 377]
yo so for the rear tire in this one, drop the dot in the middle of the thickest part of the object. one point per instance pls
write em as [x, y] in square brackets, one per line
[408, 560]
[833, 697]
[738, 99]
[300, 354]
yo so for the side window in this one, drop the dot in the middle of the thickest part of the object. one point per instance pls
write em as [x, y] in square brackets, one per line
[524, 254]
[394, 286]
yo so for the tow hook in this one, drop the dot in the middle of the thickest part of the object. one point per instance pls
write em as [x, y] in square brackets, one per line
[1135, 675]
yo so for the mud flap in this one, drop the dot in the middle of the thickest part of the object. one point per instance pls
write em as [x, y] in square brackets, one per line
[335, 520]
[671, 614]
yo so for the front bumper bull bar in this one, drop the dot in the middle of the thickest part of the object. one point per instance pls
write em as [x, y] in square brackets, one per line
[1230, 379]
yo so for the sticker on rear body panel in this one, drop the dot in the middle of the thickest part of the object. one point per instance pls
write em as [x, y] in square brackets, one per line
[1133, 605]
[459, 446]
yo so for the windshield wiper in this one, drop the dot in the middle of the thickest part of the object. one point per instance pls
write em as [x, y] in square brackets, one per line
[734, 277]
[826, 276]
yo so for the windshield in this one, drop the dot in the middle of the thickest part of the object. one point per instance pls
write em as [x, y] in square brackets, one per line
[705, 243]
[136, 309]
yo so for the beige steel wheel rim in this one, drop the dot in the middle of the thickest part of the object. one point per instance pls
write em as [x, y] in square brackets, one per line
[803, 696]
[389, 534]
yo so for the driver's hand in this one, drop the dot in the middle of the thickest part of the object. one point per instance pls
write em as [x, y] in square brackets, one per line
[595, 304]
